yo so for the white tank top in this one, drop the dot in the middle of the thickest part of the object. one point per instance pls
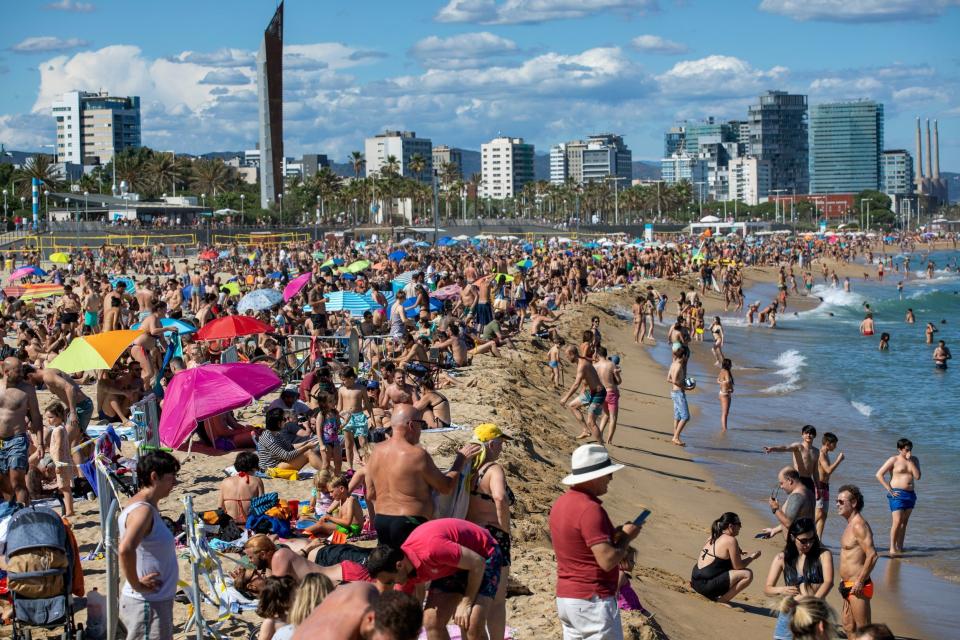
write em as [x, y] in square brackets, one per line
[157, 553]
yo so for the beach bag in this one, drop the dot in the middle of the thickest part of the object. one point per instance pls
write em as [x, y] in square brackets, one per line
[37, 572]
[267, 525]
[283, 474]
[261, 504]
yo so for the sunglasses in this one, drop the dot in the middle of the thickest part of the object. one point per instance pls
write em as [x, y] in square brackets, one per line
[805, 541]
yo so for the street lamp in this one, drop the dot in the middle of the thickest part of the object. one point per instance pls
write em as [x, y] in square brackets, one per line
[46, 205]
[354, 216]
[4, 203]
[86, 206]
[319, 208]
[280, 195]
[242, 197]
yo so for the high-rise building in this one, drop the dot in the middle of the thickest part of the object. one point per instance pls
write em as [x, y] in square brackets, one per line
[748, 180]
[606, 156]
[846, 140]
[695, 132]
[778, 133]
[506, 166]
[442, 154]
[681, 166]
[93, 127]
[896, 175]
[270, 109]
[673, 140]
[558, 163]
[402, 145]
[312, 163]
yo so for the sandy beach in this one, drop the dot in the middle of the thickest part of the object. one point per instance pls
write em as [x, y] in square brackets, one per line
[515, 392]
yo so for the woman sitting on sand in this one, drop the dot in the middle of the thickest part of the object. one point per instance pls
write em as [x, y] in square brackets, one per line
[807, 569]
[237, 491]
[721, 570]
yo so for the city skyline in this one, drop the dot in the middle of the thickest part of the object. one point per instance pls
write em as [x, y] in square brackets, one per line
[464, 71]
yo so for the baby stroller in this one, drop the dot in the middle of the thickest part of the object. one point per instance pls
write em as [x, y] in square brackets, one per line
[40, 570]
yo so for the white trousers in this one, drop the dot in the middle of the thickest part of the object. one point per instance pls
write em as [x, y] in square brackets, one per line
[593, 619]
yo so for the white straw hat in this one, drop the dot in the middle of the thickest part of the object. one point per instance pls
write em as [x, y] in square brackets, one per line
[588, 462]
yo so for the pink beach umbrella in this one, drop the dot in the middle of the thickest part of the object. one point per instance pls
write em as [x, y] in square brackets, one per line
[22, 272]
[209, 390]
[296, 285]
[447, 292]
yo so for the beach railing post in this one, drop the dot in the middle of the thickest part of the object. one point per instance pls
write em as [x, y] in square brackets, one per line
[354, 348]
[109, 504]
[191, 525]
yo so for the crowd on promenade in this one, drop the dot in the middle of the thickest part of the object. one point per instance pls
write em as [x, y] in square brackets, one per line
[385, 327]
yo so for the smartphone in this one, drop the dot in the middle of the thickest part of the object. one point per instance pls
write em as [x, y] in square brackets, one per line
[640, 519]
[762, 535]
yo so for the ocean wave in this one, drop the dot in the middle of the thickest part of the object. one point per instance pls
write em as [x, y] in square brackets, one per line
[623, 313]
[789, 365]
[862, 407]
[837, 297]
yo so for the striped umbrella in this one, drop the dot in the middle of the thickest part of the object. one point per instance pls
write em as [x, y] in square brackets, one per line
[355, 303]
[405, 277]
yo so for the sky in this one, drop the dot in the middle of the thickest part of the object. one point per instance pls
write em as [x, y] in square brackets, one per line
[460, 72]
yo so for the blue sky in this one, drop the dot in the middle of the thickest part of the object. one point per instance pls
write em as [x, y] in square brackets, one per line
[462, 71]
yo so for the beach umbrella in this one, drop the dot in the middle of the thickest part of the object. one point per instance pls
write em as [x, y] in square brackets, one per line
[412, 310]
[232, 288]
[506, 277]
[597, 257]
[350, 301]
[99, 351]
[405, 277]
[357, 267]
[447, 292]
[406, 241]
[591, 245]
[296, 285]
[183, 327]
[23, 272]
[347, 276]
[446, 241]
[397, 255]
[209, 390]
[525, 264]
[223, 254]
[60, 258]
[209, 255]
[318, 255]
[274, 275]
[259, 300]
[229, 327]
[528, 247]
[422, 244]
[126, 280]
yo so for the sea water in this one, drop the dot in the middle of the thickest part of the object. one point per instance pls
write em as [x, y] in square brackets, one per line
[815, 368]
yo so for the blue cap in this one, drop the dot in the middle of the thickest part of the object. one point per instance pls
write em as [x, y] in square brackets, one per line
[373, 384]
[615, 359]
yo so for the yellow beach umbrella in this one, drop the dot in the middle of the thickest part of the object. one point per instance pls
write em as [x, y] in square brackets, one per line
[61, 258]
[356, 267]
[232, 288]
[99, 351]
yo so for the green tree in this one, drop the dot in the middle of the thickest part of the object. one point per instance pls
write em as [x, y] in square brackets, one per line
[358, 162]
[212, 176]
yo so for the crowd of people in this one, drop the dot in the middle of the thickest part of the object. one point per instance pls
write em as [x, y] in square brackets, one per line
[428, 312]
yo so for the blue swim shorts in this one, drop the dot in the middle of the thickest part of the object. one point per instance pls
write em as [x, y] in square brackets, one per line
[902, 499]
[680, 409]
[14, 453]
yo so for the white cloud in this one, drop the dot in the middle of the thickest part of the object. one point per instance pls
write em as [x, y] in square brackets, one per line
[658, 44]
[919, 94]
[226, 76]
[716, 76]
[858, 10]
[462, 51]
[26, 130]
[218, 58]
[534, 11]
[47, 44]
[71, 5]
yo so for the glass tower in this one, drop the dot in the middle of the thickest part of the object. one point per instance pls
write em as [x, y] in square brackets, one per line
[846, 146]
[778, 133]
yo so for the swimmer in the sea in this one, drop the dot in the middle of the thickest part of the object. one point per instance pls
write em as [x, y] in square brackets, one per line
[910, 318]
[866, 327]
[884, 341]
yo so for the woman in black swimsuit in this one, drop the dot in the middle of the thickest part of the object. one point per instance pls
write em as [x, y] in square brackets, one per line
[721, 569]
[807, 569]
[433, 404]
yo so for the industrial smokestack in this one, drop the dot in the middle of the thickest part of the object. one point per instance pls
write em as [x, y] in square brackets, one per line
[936, 151]
[919, 162]
[929, 163]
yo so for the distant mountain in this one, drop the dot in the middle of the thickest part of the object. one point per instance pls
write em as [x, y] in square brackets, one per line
[646, 170]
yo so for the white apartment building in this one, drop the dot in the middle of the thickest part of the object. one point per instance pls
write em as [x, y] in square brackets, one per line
[558, 163]
[403, 145]
[93, 127]
[748, 180]
[506, 165]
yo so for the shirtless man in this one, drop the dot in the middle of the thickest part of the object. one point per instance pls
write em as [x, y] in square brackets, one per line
[357, 611]
[399, 391]
[805, 456]
[866, 327]
[281, 561]
[904, 469]
[592, 398]
[609, 373]
[174, 298]
[69, 311]
[910, 318]
[79, 406]
[354, 406]
[145, 346]
[401, 474]
[857, 559]
[92, 305]
[196, 285]
[18, 405]
[822, 494]
[940, 355]
[677, 377]
[144, 296]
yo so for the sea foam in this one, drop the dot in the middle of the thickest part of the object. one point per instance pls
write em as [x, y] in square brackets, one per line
[862, 407]
[789, 364]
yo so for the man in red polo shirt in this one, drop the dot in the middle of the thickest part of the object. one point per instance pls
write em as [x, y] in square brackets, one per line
[462, 561]
[588, 549]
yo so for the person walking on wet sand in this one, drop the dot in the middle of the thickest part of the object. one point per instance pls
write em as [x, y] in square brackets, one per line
[677, 377]
[858, 556]
[609, 373]
[904, 470]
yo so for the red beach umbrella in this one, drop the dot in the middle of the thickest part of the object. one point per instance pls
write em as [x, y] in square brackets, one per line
[232, 327]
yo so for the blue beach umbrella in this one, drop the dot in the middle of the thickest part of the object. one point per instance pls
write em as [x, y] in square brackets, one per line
[412, 310]
[355, 303]
[446, 241]
[182, 326]
[525, 264]
[405, 277]
[591, 245]
[276, 275]
[422, 244]
[397, 256]
[528, 247]
[259, 300]
[127, 281]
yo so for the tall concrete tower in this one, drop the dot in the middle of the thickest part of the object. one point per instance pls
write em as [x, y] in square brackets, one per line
[919, 164]
[929, 164]
[270, 109]
[936, 152]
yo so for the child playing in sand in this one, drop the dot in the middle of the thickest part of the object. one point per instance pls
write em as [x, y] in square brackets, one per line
[627, 598]
[320, 498]
[553, 361]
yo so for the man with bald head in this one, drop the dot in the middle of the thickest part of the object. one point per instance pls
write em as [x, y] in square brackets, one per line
[799, 502]
[18, 406]
[401, 474]
[282, 561]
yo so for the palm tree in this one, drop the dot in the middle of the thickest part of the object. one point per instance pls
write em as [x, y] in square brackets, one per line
[417, 166]
[130, 169]
[391, 166]
[164, 171]
[356, 158]
[474, 183]
[210, 176]
[40, 167]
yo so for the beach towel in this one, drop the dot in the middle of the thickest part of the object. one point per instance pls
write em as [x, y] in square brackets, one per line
[454, 632]
[457, 503]
[452, 427]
